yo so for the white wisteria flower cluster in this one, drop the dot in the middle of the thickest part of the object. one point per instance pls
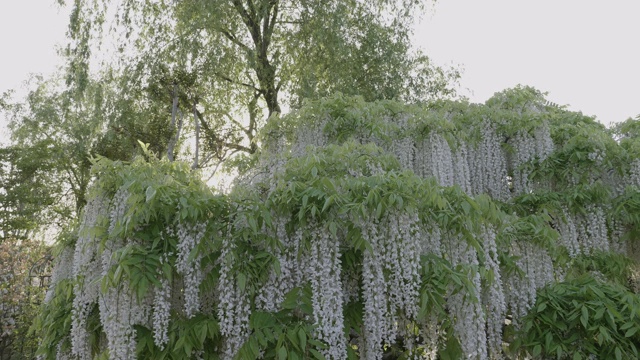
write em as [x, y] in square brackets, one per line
[233, 305]
[161, 310]
[188, 265]
[395, 250]
[87, 270]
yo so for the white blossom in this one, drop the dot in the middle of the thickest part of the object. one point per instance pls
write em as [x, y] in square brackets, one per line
[62, 270]
[189, 236]
[272, 293]
[233, 304]
[87, 270]
[161, 310]
[395, 249]
[488, 167]
[327, 292]
[467, 314]
[493, 298]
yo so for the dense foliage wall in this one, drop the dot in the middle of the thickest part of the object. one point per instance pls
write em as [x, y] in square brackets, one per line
[365, 230]
[23, 270]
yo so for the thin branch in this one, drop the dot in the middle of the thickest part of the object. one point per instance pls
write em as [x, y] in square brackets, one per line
[228, 79]
[269, 24]
[174, 110]
[252, 8]
[238, 124]
[233, 39]
[197, 124]
[246, 18]
[220, 163]
[212, 134]
[238, 147]
[296, 22]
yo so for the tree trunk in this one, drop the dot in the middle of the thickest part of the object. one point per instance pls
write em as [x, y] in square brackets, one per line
[174, 110]
[197, 124]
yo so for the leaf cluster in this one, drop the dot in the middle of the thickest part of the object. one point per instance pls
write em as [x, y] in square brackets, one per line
[580, 318]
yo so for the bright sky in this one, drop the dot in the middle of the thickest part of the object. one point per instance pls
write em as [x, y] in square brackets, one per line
[30, 31]
[584, 53]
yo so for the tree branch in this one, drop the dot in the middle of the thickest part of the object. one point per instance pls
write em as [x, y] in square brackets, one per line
[228, 79]
[233, 39]
[269, 24]
[212, 134]
[248, 20]
[197, 125]
[174, 110]
[245, 130]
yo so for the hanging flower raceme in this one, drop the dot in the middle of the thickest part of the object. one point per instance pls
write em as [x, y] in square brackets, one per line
[324, 274]
[87, 270]
[233, 305]
[493, 298]
[188, 264]
[467, 314]
[395, 250]
[488, 167]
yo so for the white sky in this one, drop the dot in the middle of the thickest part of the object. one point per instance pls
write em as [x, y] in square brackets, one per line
[30, 31]
[585, 53]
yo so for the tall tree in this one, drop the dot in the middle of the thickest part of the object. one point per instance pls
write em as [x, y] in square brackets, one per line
[59, 132]
[27, 191]
[240, 58]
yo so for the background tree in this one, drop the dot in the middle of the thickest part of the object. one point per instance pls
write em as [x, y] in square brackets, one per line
[28, 195]
[237, 58]
[21, 294]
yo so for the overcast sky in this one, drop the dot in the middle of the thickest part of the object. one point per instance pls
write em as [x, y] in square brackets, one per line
[584, 53]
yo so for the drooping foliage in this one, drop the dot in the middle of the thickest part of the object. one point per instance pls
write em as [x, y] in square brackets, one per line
[364, 230]
[230, 64]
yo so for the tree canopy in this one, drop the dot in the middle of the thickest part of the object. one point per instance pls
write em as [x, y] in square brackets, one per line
[229, 63]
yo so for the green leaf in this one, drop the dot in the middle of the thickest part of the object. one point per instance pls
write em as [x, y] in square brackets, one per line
[327, 203]
[466, 207]
[537, 350]
[282, 352]
[302, 336]
[150, 193]
[379, 210]
[242, 281]
[317, 354]
[261, 320]
[202, 333]
[254, 347]
[542, 306]
[293, 339]
[333, 228]
[276, 267]
[584, 318]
